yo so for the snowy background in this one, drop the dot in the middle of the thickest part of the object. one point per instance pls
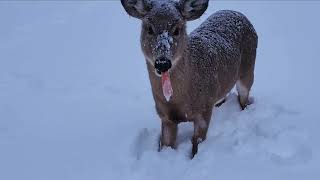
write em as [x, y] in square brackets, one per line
[76, 104]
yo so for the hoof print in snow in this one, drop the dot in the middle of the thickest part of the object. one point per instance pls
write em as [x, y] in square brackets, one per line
[146, 140]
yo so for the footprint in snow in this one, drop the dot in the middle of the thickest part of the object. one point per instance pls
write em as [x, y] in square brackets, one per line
[146, 140]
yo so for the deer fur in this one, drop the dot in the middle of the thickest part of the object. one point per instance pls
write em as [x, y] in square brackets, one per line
[206, 64]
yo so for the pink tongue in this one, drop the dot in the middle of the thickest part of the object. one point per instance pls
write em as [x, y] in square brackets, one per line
[166, 85]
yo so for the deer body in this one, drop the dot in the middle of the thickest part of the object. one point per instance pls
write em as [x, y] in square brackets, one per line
[205, 65]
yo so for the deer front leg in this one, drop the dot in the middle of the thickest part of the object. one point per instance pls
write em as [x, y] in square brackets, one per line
[168, 134]
[201, 124]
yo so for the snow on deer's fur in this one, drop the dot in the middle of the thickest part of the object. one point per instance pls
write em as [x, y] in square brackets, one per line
[189, 74]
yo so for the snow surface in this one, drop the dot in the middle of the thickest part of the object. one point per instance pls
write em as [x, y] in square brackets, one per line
[70, 108]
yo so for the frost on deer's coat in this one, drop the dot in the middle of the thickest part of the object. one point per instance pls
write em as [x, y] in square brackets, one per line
[164, 42]
[223, 42]
[205, 64]
[219, 36]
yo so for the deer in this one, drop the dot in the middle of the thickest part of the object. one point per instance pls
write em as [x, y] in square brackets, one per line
[191, 74]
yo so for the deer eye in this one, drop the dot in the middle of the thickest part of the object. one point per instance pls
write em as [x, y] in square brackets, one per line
[176, 32]
[150, 30]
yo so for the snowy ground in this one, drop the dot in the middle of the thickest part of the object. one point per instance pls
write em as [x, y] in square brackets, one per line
[71, 109]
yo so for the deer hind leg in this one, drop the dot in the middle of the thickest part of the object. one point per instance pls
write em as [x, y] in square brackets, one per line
[201, 124]
[243, 94]
[246, 78]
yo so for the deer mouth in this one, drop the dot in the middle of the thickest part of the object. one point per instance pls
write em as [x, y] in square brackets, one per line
[157, 72]
[166, 86]
[162, 66]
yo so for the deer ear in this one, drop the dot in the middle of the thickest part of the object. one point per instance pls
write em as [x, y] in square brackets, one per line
[136, 8]
[193, 9]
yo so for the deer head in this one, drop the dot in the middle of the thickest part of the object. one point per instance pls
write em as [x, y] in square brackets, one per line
[163, 35]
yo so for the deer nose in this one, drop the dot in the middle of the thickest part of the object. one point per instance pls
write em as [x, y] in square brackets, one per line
[162, 64]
